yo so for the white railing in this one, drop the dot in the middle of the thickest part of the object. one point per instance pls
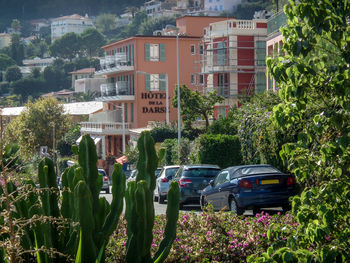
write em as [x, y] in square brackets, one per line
[111, 61]
[108, 89]
[104, 127]
[245, 24]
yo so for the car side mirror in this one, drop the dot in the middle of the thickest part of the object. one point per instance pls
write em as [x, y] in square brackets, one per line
[211, 183]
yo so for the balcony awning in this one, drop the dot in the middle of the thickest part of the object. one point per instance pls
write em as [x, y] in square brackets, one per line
[96, 139]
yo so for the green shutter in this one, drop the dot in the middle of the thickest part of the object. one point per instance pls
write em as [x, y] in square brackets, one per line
[148, 81]
[162, 52]
[147, 52]
[132, 112]
[162, 82]
[126, 112]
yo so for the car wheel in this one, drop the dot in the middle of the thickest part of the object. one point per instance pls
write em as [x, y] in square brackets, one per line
[161, 199]
[204, 203]
[155, 197]
[107, 190]
[234, 208]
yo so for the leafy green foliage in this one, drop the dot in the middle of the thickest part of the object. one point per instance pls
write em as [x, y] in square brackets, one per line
[159, 134]
[68, 46]
[106, 22]
[314, 80]
[34, 126]
[92, 41]
[13, 73]
[16, 49]
[222, 150]
[6, 61]
[194, 104]
[64, 145]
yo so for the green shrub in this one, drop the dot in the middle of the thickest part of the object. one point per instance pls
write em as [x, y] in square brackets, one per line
[220, 149]
[159, 134]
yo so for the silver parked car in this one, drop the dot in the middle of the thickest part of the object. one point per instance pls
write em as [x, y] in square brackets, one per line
[162, 183]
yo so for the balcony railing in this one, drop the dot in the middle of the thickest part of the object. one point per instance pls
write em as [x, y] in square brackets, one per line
[114, 63]
[106, 128]
[224, 90]
[113, 89]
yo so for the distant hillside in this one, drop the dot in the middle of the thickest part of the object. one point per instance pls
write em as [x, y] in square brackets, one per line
[32, 9]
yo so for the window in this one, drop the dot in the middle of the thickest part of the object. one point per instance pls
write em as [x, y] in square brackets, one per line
[201, 49]
[193, 79]
[155, 82]
[201, 79]
[154, 52]
[193, 49]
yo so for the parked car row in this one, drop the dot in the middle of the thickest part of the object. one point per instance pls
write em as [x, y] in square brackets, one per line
[235, 188]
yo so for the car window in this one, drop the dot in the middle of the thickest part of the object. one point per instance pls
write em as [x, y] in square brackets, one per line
[170, 172]
[201, 172]
[258, 170]
[222, 178]
[103, 173]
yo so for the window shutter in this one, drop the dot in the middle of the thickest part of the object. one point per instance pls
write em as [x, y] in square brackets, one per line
[162, 52]
[162, 82]
[148, 82]
[147, 52]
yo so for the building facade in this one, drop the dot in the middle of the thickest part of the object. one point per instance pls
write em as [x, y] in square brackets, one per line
[65, 24]
[5, 40]
[274, 43]
[233, 60]
[138, 71]
[220, 6]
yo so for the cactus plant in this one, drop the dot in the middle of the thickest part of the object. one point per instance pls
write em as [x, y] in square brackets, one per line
[140, 209]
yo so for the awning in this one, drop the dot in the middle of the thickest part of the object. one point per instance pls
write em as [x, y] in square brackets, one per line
[96, 139]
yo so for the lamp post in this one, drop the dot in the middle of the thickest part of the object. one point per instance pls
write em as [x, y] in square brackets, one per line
[178, 95]
[122, 107]
[166, 94]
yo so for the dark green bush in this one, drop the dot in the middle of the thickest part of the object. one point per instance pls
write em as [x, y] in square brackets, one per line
[159, 134]
[220, 149]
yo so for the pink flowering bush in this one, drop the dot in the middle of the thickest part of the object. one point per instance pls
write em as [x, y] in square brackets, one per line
[211, 236]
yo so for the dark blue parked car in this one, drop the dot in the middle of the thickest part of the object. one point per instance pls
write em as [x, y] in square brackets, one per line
[249, 187]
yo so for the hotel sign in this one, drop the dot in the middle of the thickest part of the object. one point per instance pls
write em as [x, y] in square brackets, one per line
[155, 105]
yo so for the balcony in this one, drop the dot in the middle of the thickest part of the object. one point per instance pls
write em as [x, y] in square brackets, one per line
[114, 64]
[115, 91]
[276, 22]
[226, 90]
[104, 128]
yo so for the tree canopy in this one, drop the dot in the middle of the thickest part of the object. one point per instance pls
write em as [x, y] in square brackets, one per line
[37, 125]
[5, 62]
[13, 73]
[106, 22]
[92, 41]
[67, 46]
[194, 104]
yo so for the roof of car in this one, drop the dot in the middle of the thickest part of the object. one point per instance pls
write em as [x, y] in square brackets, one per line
[171, 166]
[234, 168]
[200, 166]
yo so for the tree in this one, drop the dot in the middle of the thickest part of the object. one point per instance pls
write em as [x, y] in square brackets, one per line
[67, 46]
[13, 73]
[246, 9]
[28, 87]
[149, 26]
[17, 49]
[92, 40]
[54, 78]
[38, 124]
[5, 62]
[314, 74]
[106, 22]
[194, 104]
[16, 25]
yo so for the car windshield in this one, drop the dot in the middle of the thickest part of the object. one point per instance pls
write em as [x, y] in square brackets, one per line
[201, 172]
[170, 172]
[258, 170]
[157, 171]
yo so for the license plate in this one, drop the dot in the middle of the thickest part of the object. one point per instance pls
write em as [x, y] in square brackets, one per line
[273, 181]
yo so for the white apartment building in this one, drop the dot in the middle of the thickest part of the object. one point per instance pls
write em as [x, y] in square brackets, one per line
[65, 24]
[218, 6]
